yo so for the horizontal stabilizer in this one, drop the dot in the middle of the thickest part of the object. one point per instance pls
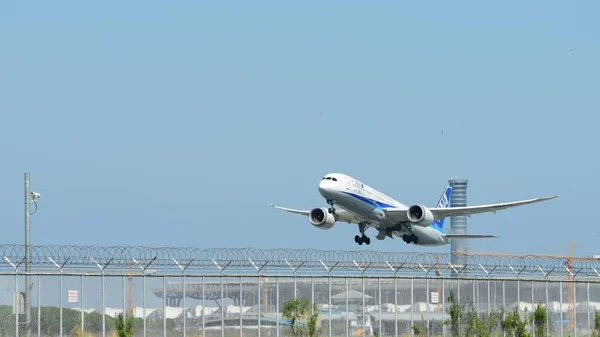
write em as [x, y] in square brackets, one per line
[469, 236]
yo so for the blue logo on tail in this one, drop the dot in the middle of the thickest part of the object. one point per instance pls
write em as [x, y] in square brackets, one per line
[442, 203]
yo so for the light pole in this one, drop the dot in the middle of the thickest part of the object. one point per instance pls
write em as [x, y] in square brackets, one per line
[29, 197]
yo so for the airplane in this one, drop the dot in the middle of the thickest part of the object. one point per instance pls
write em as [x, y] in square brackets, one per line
[418, 224]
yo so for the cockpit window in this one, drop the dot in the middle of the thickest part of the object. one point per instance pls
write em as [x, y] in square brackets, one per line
[328, 178]
[333, 179]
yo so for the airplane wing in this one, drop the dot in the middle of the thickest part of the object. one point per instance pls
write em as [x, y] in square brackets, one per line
[440, 213]
[399, 214]
[340, 215]
[296, 211]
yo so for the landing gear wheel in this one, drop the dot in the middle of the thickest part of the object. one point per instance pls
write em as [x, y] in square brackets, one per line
[410, 238]
[360, 239]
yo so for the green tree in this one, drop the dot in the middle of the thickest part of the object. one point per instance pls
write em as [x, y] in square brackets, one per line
[515, 325]
[596, 329]
[457, 313]
[124, 326]
[303, 320]
[540, 321]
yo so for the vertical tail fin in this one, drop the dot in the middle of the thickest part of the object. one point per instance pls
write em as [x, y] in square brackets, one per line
[442, 203]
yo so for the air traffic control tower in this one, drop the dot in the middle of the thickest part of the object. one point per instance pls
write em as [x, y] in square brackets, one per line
[458, 224]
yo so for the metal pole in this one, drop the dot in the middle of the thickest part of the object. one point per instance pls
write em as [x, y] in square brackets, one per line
[81, 305]
[312, 293]
[223, 310]
[203, 309]
[103, 308]
[588, 310]
[518, 295]
[329, 286]
[346, 310]
[561, 307]
[412, 309]
[503, 306]
[427, 304]
[39, 313]
[143, 302]
[489, 295]
[379, 295]
[165, 306]
[532, 310]
[17, 302]
[183, 300]
[27, 255]
[547, 308]
[259, 306]
[395, 307]
[61, 304]
[573, 308]
[443, 307]
[276, 303]
[363, 307]
[241, 311]
[123, 295]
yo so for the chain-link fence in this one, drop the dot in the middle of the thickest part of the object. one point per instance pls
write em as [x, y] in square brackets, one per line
[189, 297]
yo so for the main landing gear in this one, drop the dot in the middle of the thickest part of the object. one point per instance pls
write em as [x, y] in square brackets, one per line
[410, 238]
[362, 238]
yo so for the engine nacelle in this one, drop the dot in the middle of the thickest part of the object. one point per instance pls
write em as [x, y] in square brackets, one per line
[321, 218]
[420, 215]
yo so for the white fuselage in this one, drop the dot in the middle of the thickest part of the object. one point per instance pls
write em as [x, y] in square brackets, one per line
[366, 203]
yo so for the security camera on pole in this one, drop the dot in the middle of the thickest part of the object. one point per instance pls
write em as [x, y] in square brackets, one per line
[29, 197]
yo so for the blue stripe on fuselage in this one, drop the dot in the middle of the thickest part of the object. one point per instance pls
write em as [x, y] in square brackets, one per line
[370, 201]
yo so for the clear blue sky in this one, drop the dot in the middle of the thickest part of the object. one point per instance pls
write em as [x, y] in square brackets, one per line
[178, 123]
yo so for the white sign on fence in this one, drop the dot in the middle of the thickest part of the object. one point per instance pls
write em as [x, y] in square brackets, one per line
[435, 297]
[72, 296]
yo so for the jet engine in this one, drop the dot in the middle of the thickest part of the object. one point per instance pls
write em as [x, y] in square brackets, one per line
[420, 215]
[321, 218]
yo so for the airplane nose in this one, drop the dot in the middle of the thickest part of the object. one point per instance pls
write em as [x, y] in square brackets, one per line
[324, 187]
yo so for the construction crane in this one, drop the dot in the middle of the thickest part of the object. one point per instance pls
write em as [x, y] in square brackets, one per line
[130, 279]
[571, 289]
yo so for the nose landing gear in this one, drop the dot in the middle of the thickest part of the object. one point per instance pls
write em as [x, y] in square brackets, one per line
[331, 209]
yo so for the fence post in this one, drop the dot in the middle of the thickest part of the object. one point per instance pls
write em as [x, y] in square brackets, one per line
[204, 309]
[241, 311]
[143, 268]
[276, 304]
[164, 306]
[395, 297]
[39, 313]
[102, 286]
[184, 311]
[561, 307]
[443, 307]
[503, 305]
[60, 268]
[588, 308]
[346, 310]
[82, 312]
[412, 309]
